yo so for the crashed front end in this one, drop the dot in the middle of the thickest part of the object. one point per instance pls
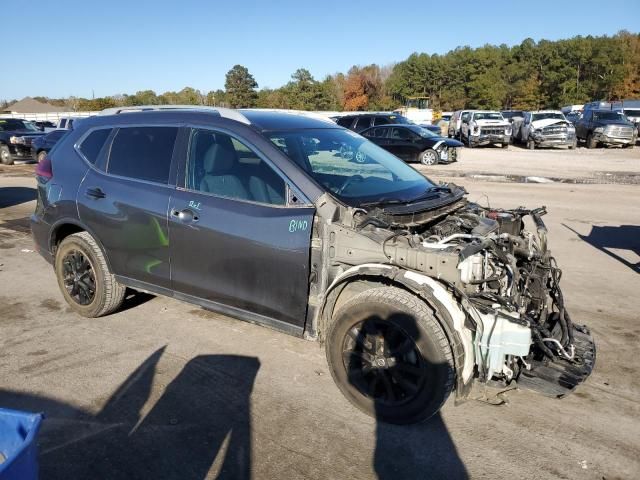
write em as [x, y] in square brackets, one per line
[559, 134]
[498, 276]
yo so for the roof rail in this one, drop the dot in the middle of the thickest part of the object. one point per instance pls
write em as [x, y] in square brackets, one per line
[223, 112]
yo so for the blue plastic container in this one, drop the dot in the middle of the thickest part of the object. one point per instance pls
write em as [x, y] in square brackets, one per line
[18, 448]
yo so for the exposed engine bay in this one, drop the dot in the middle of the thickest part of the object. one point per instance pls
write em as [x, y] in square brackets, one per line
[496, 264]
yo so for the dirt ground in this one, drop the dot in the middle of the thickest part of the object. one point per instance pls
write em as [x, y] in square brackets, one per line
[163, 389]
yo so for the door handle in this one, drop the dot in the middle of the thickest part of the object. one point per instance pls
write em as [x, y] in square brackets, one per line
[185, 216]
[95, 192]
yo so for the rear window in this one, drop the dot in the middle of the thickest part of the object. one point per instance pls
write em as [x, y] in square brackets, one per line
[92, 144]
[143, 153]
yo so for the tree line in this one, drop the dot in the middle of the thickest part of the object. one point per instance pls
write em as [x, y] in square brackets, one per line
[530, 75]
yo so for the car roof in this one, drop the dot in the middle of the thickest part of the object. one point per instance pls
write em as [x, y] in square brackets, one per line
[261, 120]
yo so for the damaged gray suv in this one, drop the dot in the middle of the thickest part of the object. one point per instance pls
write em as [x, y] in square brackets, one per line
[415, 291]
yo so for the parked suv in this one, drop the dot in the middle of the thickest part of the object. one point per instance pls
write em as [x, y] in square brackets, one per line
[606, 127]
[484, 127]
[16, 136]
[547, 128]
[414, 290]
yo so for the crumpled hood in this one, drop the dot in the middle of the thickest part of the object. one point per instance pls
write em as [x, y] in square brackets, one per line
[545, 122]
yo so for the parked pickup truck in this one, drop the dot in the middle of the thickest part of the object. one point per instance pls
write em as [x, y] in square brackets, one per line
[16, 136]
[605, 127]
[547, 128]
[483, 127]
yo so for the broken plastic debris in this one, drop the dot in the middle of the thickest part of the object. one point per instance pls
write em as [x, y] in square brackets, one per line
[26, 250]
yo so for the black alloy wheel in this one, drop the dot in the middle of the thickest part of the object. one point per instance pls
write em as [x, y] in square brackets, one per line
[79, 277]
[383, 362]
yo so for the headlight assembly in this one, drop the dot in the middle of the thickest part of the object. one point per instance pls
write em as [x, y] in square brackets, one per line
[599, 130]
[16, 140]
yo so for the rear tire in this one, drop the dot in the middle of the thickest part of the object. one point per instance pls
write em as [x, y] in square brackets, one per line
[389, 356]
[5, 155]
[84, 278]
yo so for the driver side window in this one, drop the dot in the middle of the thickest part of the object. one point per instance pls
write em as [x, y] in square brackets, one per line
[223, 166]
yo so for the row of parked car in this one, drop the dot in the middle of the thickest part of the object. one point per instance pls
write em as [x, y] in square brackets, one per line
[26, 140]
[543, 128]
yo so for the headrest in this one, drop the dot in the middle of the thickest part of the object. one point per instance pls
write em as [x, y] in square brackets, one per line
[219, 158]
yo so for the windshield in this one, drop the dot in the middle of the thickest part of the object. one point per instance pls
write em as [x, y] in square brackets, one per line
[547, 115]
[10, 124]
[487, 116]
[618, 116]
[350, 167]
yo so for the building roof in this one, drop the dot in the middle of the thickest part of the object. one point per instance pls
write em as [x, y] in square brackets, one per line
[29, 105]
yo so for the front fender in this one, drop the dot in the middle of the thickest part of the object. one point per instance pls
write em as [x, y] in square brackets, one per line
[448, 310]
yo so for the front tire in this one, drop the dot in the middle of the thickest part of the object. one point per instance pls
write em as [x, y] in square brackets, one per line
[429, 157]
[531, 145]
[389, 356]
[5, 155]
[41, 156]
[84, 278]
[591, 142]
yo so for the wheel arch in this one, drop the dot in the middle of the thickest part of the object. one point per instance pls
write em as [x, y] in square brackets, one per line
[448, 312]
[68, 226]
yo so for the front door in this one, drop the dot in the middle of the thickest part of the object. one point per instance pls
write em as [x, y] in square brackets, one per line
[236, 240]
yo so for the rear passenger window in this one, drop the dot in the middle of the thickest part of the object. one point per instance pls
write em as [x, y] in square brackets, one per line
[224, 166]
[93, 143]
[345, 122]
[143, 153]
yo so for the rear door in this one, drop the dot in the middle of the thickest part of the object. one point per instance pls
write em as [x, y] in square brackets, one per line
[238, 238]
[125, 206]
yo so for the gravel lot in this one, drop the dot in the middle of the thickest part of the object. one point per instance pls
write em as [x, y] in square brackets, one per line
[166, 390]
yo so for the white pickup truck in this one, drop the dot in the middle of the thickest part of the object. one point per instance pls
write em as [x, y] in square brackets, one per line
[484, 127]
[547, 128]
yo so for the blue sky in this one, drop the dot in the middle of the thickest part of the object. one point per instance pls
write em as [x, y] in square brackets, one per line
[73, 47]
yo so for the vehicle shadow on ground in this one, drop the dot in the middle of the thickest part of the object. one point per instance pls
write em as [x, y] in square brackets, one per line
[623, 237]
[402, 380]
[12, 196]
[200, 427]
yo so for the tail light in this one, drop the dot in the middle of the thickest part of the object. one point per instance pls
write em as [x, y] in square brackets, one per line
[44, 169]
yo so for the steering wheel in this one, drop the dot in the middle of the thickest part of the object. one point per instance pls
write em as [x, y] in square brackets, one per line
[349, 181]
